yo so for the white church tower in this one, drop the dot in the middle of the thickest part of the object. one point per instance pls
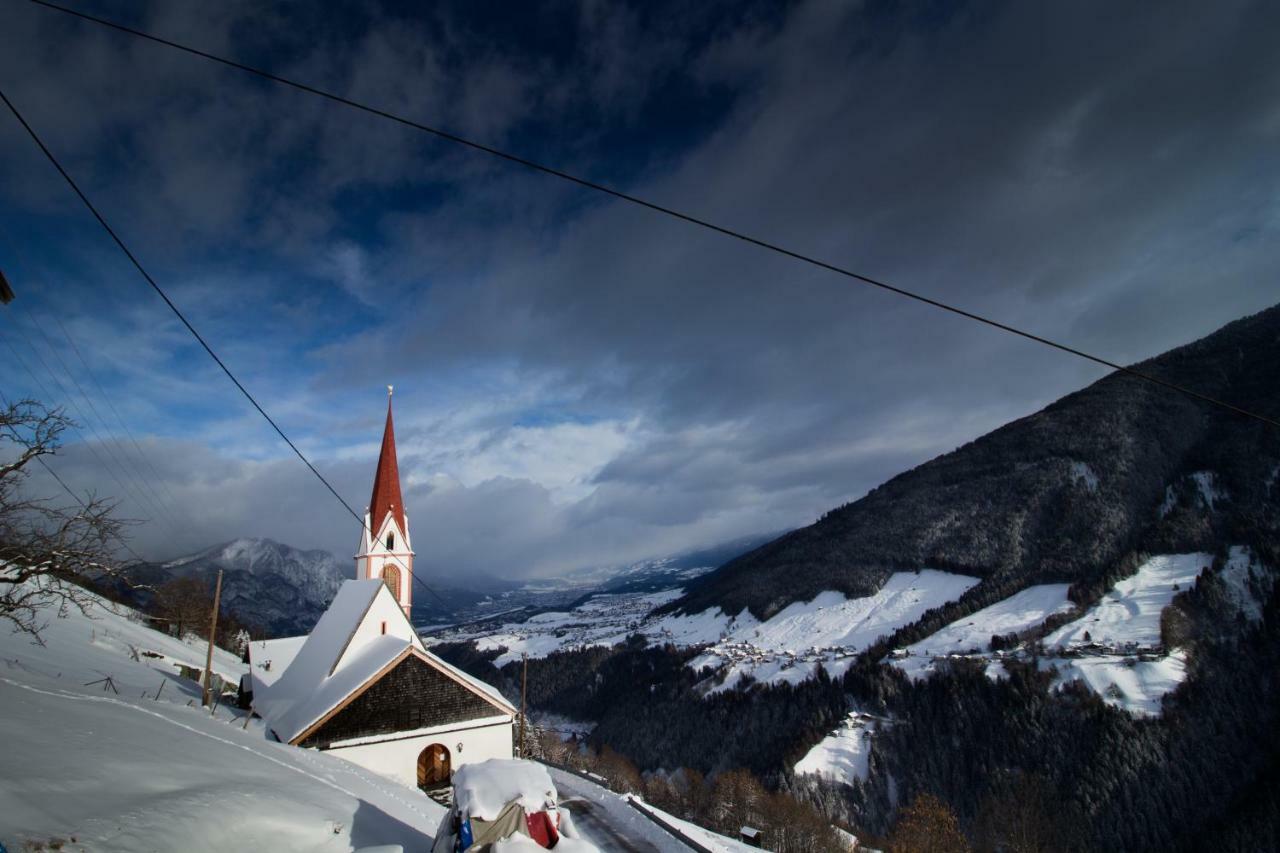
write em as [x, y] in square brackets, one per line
[385, 551]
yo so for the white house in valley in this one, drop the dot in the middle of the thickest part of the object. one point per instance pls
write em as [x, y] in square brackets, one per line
[362, 684]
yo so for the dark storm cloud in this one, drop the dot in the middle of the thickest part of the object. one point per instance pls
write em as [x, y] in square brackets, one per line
[1100, 174]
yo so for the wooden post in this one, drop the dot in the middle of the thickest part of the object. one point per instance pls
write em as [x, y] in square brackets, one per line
[524, 681]
[213, 630]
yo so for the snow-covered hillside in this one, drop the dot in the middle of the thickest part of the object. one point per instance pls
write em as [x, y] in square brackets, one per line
[972, 634]
[843, 755]
[1129, 615]
[829, 630]
[1114, 648]
[603, 620]
[125, 771]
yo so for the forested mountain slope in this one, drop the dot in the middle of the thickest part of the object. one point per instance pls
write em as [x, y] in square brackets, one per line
[1058, 496]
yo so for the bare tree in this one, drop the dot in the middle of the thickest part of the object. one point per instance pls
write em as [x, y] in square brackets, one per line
[928, 825]
[48, 549]
[185, 604]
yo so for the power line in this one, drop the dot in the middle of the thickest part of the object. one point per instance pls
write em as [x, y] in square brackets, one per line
[172, 505]
[85, 423]
[174, 308]
[65, 487]
[115, 448]
[653, 206]
[146, 459]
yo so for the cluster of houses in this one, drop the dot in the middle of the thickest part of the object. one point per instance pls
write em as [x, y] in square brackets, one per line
[746, 653]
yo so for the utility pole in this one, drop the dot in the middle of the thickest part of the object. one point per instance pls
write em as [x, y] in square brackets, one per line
[524, 682]
[213, 631]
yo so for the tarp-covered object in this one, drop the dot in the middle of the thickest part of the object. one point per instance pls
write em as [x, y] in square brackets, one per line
[500, 799]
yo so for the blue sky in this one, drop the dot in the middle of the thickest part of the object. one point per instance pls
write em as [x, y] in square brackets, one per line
[580, 382]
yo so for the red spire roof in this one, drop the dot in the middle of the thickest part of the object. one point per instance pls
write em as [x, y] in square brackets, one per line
[386, 483]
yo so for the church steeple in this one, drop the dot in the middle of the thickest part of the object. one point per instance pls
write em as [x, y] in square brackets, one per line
[386, 481]
[385, 551]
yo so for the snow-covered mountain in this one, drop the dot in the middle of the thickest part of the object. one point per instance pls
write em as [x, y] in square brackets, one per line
[266, 583]
[1060, 496]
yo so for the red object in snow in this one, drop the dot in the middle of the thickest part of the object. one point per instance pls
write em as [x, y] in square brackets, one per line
[541, 829]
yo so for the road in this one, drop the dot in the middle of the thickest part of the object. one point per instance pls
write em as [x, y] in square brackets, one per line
[604, 818]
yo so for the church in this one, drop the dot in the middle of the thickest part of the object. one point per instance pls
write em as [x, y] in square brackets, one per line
[362, 684]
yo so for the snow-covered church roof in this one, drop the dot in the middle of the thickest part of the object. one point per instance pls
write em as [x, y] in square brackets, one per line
[362, 635]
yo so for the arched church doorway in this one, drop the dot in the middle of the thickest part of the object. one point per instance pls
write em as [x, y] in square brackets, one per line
[391, 576]
[433, 766]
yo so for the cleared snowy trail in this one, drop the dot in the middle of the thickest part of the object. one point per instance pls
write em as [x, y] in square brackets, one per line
[604, 818]
[595, 827]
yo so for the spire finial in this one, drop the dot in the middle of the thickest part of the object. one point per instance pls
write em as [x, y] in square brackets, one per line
[390, 388]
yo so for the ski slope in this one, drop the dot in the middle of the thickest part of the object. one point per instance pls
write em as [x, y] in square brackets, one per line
[122, 772]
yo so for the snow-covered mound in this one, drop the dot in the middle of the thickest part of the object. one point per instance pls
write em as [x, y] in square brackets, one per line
[484, 789]
[120, 770]
[843, 755]
[1129, 615]
[104, 641]
[972, 634]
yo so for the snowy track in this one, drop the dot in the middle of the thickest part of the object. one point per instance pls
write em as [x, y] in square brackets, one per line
[595, 826]
[604, 818]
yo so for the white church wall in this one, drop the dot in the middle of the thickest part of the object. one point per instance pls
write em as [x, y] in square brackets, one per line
[398, 758]
[374, 556]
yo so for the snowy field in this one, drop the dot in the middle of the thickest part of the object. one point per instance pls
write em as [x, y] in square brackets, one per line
[1126, 622]
[843, 755]
[972, 634]
[829, 630]
[1113, 648]
[1130, 613]
[604, 620]
[120, 771]
[1124, 681]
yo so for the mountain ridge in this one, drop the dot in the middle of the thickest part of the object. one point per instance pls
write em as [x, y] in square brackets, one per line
[1060, 495]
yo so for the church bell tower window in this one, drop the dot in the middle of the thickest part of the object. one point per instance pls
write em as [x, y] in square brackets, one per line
[391, 541]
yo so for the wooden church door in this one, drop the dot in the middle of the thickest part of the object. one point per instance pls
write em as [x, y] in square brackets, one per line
[433, 766]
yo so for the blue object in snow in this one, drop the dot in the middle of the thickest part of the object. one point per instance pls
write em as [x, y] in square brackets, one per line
[464, 835]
